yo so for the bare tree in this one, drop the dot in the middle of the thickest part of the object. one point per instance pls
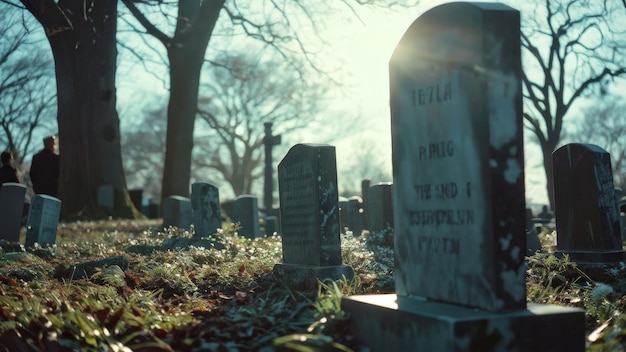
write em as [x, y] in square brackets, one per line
[238, 97]
[26, 87]
[276, 24]
[603, 124]
[572, 49]
[82, 36]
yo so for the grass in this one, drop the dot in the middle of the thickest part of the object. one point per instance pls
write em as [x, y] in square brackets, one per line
[227, 300]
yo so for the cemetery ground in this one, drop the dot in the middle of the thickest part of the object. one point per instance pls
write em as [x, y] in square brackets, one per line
[209, 299]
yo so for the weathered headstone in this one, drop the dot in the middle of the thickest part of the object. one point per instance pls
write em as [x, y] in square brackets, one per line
[365, 189]
[106, 197]
[177, 212]
[587, 219]
[205, 201]
[354, 214]
[380, 208]
[533, 245]
[307, 181]
[43, 220]
[458, 189]
[11, 208]
[246, 213]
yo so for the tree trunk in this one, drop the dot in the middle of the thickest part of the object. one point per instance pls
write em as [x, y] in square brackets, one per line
[84, 50]
[186, 56]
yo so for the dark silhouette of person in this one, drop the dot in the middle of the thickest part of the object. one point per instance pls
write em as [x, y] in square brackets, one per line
[44, 170]
[7, 172]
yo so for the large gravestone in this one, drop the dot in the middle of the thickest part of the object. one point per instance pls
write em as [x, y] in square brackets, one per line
[43, 220]
[11, 208]
[307, 183]
[587, 219]
[458, 189]
[205, 202]
[380, 207]
[246, 213]
[177, 212]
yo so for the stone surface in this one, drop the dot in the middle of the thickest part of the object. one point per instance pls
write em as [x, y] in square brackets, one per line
[307, 182]
[246, 213]
[106, 197]
[458, 192]
[365, 190]
[456, 112]
[354, 214]
[11, 208]
[533, 245]
[587, 219]
[379, 325]
[43, 220]
[177, 212]
[205, 202]
[380, 207]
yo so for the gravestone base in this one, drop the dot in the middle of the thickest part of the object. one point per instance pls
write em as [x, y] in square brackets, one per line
[593, 256]
[305, 277]
[379, 325]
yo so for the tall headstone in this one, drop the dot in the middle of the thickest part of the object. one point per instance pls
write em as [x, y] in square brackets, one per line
[380, 208]
[458, 190]
[269, 141]
[177, 212]
[43, 220]
[246, 213]
[11, 208]
[587, 219]
[307, 181]
[205, 202]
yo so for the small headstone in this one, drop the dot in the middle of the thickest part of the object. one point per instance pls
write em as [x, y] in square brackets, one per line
[380, 207]
[205, 201]
[307, 182]
[533, 245]
[354, 214]
[587, 219]
[458, 193]
[177, 212]
[43, 220]
[106, 197]
[271, 225]
[246, 213]
[11, 208]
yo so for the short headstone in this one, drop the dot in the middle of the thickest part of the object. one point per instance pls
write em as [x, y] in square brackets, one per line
[106, 197]
[587, 219]
[43, 220]
[11, 208]
[205, 202]
[177, 212]
[354, 214]
[458, 193]
[533, 245]
[246, 213]
[380, 208]
[307, 183]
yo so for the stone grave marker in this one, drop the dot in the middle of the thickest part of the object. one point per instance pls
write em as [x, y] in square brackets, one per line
[205, 202]
[246, 212]
[458, 193]
[307, 183]
[380, 207]
[11, 208]
[177, 212]
[271, 225]
[43, 220]
[106, 197]
[587, 219]
[365, 189]
[354, 214]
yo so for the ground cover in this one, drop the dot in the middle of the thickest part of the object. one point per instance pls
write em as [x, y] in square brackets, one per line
[208, 299]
